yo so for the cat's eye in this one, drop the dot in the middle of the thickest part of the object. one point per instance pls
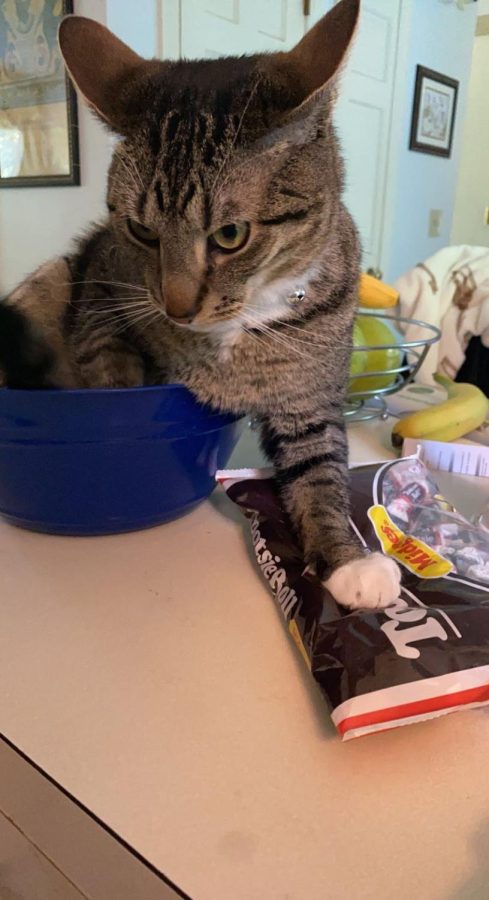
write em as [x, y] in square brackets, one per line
[143, 234]
[230, 238]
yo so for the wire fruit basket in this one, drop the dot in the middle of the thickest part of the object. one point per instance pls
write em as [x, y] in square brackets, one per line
[370, 404]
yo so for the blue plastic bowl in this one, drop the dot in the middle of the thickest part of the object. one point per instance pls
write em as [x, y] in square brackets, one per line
[93, 462]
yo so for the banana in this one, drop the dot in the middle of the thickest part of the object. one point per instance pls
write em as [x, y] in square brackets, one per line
[466, 408]
[374, 294]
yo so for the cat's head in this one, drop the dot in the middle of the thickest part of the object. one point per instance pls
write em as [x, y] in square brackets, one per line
[226, 181]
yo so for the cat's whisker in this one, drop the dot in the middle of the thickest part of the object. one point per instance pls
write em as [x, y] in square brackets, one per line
[261, 339]
[110, 316]
[133, 172]
[308, 336]
[107, 316]
[124, 284]
[310, 340]
[255, 338]
[236, 134]
[131, 175]
[114, 315]
[124, 161]
[121, 303]
[142, 320]
[122, 309]
[298, 342]
[255, 322]
[149, 317]
[119, 307]
[265, 327]
[285, 343]
[314, 338]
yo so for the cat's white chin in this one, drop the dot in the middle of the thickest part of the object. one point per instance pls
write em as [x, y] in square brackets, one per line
[372, 582]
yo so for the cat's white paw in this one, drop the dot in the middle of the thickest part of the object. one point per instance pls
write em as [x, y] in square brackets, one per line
[372, 582]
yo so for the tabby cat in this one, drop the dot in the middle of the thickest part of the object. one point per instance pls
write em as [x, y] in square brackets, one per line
[227, 262]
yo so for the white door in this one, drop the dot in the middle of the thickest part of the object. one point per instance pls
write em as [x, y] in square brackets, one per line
[364, 116]
[212, 28]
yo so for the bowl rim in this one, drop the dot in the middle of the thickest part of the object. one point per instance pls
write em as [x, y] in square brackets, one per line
[63, 392]
[218, 418]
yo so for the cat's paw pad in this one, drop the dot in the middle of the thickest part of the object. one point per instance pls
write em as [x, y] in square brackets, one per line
[372, 582]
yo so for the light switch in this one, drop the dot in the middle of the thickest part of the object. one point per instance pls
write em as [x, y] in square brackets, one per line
[434, 223]
[486, 216]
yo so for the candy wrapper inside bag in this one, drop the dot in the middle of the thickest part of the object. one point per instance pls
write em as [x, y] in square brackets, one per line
[426, 655]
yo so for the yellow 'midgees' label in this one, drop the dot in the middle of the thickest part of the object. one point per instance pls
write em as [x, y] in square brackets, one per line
[412, 553]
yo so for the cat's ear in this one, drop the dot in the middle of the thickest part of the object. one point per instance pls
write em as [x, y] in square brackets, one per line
[105, 70]
[319, 56]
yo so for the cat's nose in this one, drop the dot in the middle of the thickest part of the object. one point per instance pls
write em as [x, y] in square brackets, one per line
[181, 298]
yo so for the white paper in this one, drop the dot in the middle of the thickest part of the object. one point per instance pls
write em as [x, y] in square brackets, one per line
[463, 459]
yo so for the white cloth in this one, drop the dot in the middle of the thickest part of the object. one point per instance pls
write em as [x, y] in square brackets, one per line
[450, 290]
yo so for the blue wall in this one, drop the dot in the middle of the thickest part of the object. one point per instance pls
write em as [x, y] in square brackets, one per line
[441, 38]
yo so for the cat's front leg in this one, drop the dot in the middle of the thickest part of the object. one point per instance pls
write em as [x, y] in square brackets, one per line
[311, 460]
[105, 359]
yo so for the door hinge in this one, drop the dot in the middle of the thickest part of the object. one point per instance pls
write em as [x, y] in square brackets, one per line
[307, 7]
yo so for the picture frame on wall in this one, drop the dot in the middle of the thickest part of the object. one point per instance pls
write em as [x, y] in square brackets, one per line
[38, 110]
[434, 111]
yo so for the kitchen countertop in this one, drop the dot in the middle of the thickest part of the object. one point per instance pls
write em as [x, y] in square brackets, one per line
[151, 676]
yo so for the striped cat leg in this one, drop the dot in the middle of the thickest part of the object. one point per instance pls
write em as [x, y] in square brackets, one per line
[311, 460]
[105, 359]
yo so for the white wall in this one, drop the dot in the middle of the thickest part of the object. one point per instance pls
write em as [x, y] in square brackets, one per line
[37, 223]
[473, 183]
[136, 23]
[441, 38]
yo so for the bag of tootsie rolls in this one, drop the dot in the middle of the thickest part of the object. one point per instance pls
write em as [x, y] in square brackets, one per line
[425, 655]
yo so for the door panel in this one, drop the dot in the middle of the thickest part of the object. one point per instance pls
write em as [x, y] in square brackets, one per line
[221, 27]
[273, 20]
[223, 9]
[363, 117]
[364, 169]
[371, 54]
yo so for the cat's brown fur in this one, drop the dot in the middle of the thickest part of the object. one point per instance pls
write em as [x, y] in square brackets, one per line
[204, 144]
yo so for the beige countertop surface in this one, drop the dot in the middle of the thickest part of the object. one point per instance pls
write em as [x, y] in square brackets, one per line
[151, 676]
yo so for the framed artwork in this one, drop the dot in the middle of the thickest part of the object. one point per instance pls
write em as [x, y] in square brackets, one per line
[38, 112]
[434, 109]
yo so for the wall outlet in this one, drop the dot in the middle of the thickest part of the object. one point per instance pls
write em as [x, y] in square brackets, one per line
[434, 222]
